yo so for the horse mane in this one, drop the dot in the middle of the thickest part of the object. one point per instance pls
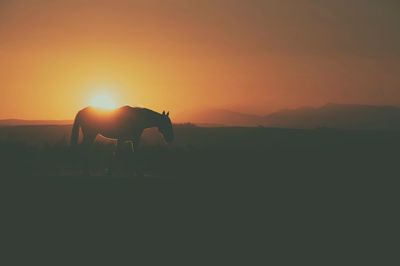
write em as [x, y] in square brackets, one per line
[150, 114]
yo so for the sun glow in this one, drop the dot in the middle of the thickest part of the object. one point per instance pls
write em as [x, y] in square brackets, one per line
[103, 101]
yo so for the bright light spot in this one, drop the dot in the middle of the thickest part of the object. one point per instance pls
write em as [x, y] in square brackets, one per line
[103, 101]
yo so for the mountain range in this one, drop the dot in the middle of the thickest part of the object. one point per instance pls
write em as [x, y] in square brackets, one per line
[346, 116]
[343, 116]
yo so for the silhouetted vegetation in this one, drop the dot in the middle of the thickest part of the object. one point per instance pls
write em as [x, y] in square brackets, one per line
[209, 153]
[295, 184]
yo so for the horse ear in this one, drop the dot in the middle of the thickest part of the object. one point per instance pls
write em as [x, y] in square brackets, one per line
[168, 113]
[163, 112]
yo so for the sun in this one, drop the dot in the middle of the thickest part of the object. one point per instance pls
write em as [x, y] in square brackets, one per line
[103, 101]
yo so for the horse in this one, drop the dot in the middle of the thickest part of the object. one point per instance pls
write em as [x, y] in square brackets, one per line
[122, 124]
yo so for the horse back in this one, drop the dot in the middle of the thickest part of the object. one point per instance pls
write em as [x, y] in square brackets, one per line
[118, 123]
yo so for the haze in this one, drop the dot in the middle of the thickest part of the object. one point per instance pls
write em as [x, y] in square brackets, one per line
[253, 56]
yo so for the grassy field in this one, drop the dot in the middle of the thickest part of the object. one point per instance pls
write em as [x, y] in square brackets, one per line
[214, 155]
[242, 152]
[225, 184]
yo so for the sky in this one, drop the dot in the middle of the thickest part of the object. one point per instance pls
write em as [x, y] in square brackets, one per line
[253, 56]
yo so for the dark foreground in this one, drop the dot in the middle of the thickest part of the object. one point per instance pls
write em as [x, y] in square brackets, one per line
[242, 194]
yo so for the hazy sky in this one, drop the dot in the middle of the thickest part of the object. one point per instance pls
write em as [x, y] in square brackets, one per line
[249, 55]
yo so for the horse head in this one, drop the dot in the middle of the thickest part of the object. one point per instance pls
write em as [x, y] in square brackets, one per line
[165, 127]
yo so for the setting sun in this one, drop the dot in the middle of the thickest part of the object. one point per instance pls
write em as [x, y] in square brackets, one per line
[103, 101]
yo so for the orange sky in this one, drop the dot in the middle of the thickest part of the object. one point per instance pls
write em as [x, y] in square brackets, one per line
[253, 56]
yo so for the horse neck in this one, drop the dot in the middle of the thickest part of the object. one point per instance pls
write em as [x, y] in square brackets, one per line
[153, 119]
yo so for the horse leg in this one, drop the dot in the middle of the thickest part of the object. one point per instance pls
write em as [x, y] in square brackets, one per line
[136, 163]
[86, 144]
[115, 157]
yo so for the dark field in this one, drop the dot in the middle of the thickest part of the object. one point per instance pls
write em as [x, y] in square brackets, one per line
[313, 192]
[208, 154]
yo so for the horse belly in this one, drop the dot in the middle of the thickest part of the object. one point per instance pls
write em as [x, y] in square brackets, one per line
[112, 134]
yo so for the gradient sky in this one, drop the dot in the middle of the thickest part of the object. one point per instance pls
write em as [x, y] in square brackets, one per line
[251, 56]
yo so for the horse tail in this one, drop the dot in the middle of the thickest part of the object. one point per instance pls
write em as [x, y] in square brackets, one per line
[75, 130]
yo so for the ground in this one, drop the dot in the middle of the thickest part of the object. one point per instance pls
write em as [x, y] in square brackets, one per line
[329, 190]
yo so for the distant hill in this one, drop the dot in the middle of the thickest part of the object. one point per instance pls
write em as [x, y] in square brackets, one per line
[338, 116]
[21, 122]
[220, 117]
[346, 116]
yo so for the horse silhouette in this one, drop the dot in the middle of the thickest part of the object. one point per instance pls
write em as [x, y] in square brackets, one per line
[123, 124]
